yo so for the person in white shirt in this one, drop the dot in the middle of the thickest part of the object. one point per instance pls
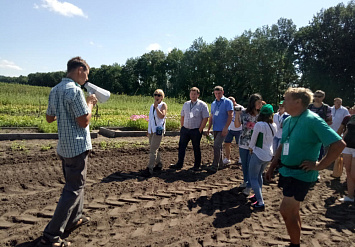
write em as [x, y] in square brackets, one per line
[338, 113]
[279, 118]
[233, 132]
[261, 147]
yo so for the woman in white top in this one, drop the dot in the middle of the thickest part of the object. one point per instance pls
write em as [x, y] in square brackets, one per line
[279, 118]
[156, 131]
[261, 147]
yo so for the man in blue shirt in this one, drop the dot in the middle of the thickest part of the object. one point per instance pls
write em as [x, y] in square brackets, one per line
[220, 118]
[67, 106]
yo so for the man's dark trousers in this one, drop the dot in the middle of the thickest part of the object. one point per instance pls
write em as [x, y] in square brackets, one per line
[185, 136]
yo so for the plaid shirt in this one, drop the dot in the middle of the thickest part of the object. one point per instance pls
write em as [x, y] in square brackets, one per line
[67, 102]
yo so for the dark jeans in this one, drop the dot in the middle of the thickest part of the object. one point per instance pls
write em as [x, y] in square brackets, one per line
[185, 136]
[70, 206]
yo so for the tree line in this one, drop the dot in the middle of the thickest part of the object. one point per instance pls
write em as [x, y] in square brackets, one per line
[320, 55]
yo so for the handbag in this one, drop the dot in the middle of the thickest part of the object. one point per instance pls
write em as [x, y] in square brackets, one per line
[338, 167]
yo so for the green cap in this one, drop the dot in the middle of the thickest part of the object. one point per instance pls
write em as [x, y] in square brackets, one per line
[267, 109]
[281, 102]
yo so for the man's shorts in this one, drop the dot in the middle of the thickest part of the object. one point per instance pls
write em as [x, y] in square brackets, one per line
[231, 134]
[350, 151]
[294, 188]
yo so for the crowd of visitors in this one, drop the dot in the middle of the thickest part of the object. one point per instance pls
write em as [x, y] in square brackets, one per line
[304, 136]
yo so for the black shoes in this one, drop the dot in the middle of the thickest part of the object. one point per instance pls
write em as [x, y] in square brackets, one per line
[176, 167]
[158, 167]
[146, 173]
[194, 169]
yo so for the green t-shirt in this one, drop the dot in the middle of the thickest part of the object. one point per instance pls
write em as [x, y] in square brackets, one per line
[305, 134]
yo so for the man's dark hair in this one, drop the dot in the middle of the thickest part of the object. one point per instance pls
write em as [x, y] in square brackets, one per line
[76, 62]
[251, 104]
[218, 88]
[195, 89]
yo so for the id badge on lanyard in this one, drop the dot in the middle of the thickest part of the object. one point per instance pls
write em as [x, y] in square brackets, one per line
[286, 147]
[191, 114]
[216, 113]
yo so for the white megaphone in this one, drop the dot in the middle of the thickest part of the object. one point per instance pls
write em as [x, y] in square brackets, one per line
[101, 94]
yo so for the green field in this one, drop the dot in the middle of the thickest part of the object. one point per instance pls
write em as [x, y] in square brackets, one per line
[25, 106]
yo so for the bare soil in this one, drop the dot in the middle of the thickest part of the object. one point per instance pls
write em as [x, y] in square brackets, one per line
[180, 208]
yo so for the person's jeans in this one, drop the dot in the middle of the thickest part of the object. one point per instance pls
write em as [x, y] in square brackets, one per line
[275, 144]
[256, 168]
[185, 136]
[244, 155]
[154, 154]
[218, 149]
[70, 206]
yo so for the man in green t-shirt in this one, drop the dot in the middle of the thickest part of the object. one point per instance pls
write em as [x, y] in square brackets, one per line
[303, 134]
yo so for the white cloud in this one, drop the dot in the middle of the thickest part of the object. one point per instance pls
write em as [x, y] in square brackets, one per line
[63, 8]
[5, 64]
[153, 47]
[92, 43]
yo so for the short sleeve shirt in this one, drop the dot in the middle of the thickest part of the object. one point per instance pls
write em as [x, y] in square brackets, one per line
[67, 102]
[248, 122]
[194, 113]
[219, 111]
[304, 134]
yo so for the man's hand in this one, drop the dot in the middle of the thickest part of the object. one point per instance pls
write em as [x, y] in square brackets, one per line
[309, 165]
[269, 174]
[224, 131]
[91, 99]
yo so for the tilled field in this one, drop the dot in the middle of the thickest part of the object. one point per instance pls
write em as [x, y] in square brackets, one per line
[180, 208]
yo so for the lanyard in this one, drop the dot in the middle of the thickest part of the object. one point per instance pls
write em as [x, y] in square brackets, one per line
[218, 105]
[192, 105]
[289, 126]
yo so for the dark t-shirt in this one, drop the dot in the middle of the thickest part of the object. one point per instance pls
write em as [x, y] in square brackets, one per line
[349, 137]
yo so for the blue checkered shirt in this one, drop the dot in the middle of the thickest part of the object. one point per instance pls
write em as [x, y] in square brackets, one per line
[67, 102]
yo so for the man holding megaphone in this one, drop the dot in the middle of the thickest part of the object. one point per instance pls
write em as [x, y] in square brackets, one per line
[67, 106]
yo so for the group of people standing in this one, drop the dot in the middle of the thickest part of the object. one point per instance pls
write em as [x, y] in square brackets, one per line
[292, 137]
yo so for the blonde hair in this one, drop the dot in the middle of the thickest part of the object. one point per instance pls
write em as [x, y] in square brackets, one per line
[302, 93]
[159, 91]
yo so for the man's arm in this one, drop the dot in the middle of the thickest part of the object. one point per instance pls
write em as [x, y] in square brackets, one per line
[229, 120]
[84, 120]
[274, 163]
[209, 123]
[203, 124]
[182, 118]
[334, 151]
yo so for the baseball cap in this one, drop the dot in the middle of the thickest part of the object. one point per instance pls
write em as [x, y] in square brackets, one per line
[267, 109]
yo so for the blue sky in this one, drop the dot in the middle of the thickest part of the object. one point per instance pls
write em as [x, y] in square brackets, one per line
[42, 35]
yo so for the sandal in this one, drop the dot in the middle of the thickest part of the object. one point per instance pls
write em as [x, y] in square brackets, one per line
[82, 221]
[44, 242]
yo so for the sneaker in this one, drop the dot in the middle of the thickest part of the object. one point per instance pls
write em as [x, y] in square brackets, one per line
[252, 198]
[256, 205]
[226, 161]
[194, 169]
[158, 167]
[212, 170]
[246, 191]
[346, 199]
[176, 166]
[243, 185]
[146, 173]
[239, 160]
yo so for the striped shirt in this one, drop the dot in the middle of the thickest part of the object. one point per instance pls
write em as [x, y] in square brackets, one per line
[67, 102]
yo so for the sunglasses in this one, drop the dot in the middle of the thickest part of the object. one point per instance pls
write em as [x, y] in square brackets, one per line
[318, 96]
[159, 95]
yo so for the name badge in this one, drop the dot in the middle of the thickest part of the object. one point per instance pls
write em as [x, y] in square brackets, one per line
[286, 148]
[216, 113]
[191, 114]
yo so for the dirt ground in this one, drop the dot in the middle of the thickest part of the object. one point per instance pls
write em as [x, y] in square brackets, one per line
[170, 209]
